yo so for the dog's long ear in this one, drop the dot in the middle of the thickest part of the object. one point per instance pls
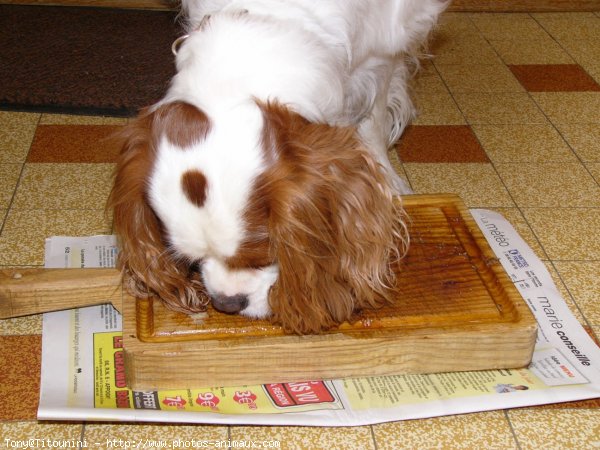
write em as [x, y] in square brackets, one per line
[144, 258]
[335, 229]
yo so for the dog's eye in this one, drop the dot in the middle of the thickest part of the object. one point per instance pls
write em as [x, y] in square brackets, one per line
[257, 262]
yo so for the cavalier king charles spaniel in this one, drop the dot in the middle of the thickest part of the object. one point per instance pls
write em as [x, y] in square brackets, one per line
[260, 182]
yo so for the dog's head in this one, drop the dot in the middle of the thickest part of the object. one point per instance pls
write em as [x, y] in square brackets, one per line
[281, 217]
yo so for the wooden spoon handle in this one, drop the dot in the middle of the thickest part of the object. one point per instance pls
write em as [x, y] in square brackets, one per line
[33, 291]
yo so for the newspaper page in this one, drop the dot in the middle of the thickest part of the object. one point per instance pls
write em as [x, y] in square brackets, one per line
[83, 369]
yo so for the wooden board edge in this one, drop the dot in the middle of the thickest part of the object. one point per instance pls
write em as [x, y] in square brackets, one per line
[26, 291]
[511, 347]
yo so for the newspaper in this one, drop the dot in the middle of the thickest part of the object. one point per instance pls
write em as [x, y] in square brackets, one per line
[83, 374]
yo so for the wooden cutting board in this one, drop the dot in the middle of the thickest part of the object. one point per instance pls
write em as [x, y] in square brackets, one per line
[456, 310]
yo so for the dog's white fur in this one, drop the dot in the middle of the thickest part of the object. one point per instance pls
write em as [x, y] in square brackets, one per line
[340, 62]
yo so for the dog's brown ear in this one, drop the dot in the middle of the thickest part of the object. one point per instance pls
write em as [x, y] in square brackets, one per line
[143, 255]
[334, 227]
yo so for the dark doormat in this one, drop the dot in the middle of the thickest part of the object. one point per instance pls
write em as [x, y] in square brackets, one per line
[84, 60]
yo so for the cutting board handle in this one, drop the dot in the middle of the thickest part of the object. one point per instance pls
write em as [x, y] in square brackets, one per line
[33, 291]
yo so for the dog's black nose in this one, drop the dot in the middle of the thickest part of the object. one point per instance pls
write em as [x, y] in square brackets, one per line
[230, 305]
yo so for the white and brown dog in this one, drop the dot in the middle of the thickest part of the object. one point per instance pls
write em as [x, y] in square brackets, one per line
[261, 179]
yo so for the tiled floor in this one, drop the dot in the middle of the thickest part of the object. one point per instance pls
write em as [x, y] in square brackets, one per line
[510, 120]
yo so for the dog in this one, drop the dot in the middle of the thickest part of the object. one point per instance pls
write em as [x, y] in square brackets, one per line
[261, 182]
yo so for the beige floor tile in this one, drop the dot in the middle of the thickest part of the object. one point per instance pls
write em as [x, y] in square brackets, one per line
[583, 282]
[566, 233]
[594, 169]
[437, 108]
[463, 49]
[308, 437]
[456, 23]
[24, 233]
[16, 134]
[570, 107]
[429, 80]
[153, 435]
[471, 431]
[584, 139]
[543, 50]
[553, 429]
[9, 176]
[582, 26]
[21, 325]
[547, 185]
[64, 186]
[520, 26]
[593, 70]
[585, 52]
[397, 165]
[479, 78]
[18, 433]
[523, 143]
[477, 184]
[516, 219]
[503, 108]
[67, 119]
